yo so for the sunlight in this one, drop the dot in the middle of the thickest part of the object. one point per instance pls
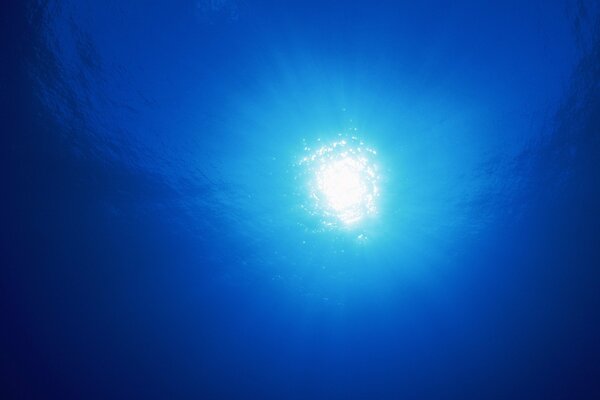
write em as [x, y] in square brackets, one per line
[343, 181]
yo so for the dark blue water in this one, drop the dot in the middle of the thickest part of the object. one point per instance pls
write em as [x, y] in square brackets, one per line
[159, 234]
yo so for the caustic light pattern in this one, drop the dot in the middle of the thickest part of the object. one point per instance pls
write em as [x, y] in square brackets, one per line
[342, 181]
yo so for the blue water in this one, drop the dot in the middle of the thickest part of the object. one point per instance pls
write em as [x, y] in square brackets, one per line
[159, 235]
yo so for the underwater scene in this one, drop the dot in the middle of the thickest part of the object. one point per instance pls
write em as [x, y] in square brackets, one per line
[235, 199]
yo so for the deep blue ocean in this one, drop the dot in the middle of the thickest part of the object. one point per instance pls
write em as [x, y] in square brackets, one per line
[236, 199]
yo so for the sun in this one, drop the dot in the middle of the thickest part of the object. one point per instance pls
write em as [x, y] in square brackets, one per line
[343, 181]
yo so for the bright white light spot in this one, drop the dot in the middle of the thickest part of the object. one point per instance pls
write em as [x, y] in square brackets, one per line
[342, 181]
[343, 185]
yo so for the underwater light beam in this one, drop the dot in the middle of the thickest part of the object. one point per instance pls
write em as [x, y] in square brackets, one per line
[343, 182]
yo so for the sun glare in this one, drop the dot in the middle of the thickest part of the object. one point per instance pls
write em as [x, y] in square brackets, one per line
[342, 181]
